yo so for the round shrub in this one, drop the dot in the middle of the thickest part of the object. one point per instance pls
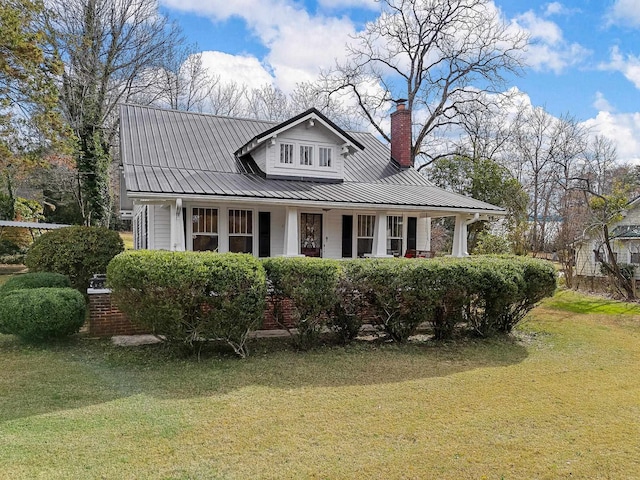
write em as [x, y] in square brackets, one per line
[35, 280]
[77, 252]
[38, 314]
[8, 247]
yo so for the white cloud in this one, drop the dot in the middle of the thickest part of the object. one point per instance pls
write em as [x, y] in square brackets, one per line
[628, 65]
[548, 49]
[244, 70]
[335, 4]
[602, 104]
[557, 8]
[299, 44]
[625, 12]
[623, 129]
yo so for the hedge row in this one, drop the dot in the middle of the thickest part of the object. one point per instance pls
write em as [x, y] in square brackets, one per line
[186, 297]
[40, 306]
[189, 296]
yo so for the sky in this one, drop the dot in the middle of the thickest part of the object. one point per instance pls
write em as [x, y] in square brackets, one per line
[583, 59]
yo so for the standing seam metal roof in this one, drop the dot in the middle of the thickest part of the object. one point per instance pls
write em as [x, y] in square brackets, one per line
[172, 152]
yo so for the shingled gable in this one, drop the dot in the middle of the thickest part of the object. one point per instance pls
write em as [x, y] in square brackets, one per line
[181, 166]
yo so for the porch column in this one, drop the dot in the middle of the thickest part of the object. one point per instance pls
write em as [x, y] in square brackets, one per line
[380, 236]
[427, 242]
[177, 226]
[460, 234]
[291, 233]
[459, 248]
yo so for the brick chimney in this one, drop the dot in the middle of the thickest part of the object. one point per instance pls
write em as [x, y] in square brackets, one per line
[401, 135]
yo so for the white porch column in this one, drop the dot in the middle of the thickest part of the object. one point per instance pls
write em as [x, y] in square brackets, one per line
[459, 248]
[291, 233]
[427, 243]
[460, 235]
[380, 236]
[177, 226]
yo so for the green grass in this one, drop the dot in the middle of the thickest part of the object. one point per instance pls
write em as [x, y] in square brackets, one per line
[561, 400]
[127, 238]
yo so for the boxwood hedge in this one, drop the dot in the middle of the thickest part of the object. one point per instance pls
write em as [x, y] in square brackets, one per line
[35, 280]
[186, 297]
[37, 314]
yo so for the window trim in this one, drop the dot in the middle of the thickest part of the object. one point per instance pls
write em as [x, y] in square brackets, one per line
[296, 162]
[193, 232]
[367, 237]
[399, 225]
[329, 157]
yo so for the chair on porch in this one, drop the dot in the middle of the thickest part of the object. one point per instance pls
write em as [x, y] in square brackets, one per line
[413, 253]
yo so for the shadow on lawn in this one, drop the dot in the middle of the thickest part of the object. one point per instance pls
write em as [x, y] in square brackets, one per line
[81, 373]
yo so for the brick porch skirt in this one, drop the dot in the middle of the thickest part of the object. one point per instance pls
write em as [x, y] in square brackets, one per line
[106, 320]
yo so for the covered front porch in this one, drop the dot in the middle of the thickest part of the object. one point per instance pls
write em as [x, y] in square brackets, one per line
[277, 229]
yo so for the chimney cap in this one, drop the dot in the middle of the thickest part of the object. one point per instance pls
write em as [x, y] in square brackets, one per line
[400, 103]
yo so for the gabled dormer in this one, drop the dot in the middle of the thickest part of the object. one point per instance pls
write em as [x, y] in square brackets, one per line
[308, 146]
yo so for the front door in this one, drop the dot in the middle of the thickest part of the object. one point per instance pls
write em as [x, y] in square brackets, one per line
[311, 234]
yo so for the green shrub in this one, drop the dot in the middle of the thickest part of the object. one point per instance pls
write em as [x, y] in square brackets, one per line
[186, 297]
[7, 247]
[15, 259]
[38, 314]
[386, 286]
[35, 280]
[310, 284]
[346, 317]
[490, 244]
[77, 252]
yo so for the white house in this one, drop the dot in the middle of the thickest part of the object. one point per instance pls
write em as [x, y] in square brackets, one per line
[300, 187]
[625, 243]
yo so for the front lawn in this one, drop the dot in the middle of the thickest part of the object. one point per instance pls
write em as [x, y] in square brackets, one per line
[560, 401]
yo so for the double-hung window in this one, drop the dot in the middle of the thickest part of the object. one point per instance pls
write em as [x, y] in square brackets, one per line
[366, 229]
[286, 153]
[204, 230]
[324, 157]
[394, 235]
[306, 155]
[241, 231]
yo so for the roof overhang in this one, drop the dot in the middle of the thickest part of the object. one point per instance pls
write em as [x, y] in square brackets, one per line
[157, 198]
[311, 117]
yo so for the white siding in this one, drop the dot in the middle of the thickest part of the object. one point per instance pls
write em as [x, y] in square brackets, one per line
[316, 136]
[260, 157]
[277, 229]
[160, 225]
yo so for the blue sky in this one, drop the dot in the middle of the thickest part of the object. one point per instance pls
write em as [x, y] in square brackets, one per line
[584, 58]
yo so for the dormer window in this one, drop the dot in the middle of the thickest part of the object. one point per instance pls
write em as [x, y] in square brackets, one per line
[324, 157]
[286, 153]
[306, 155]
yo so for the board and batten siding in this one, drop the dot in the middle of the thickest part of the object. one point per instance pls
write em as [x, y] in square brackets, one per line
[160, 226]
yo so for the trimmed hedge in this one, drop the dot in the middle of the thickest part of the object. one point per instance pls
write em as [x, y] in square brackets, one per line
[77, 252]
[37, 314]
[35, 280]
[310, 284]
[186, 297]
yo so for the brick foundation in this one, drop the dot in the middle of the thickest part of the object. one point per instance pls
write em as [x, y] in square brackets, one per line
[105, 320]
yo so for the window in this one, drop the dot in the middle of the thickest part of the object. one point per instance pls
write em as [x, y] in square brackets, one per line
[141, 226]
[286, 153]
[241, 231]
[324, 157]
[394, 235]
[306, 155]
[204, 228]
[635, 258]
[366, 228]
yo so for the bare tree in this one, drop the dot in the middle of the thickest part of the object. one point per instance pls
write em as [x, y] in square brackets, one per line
[268, 103]
[443, 56]
[108, 47]
[226, 98]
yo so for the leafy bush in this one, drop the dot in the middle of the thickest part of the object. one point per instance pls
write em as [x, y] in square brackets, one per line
[346, 317]
[310, 283]
[186, 297]
[14, 259]
[490, 244]
[77, 252]
[8, 247]
[35, 280]
[37, 314]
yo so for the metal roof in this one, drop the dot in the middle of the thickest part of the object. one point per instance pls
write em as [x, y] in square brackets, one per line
[185, 153]
[42, 226]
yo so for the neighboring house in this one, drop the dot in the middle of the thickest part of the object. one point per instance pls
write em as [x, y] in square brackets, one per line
[625, 242]
[300, 187]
